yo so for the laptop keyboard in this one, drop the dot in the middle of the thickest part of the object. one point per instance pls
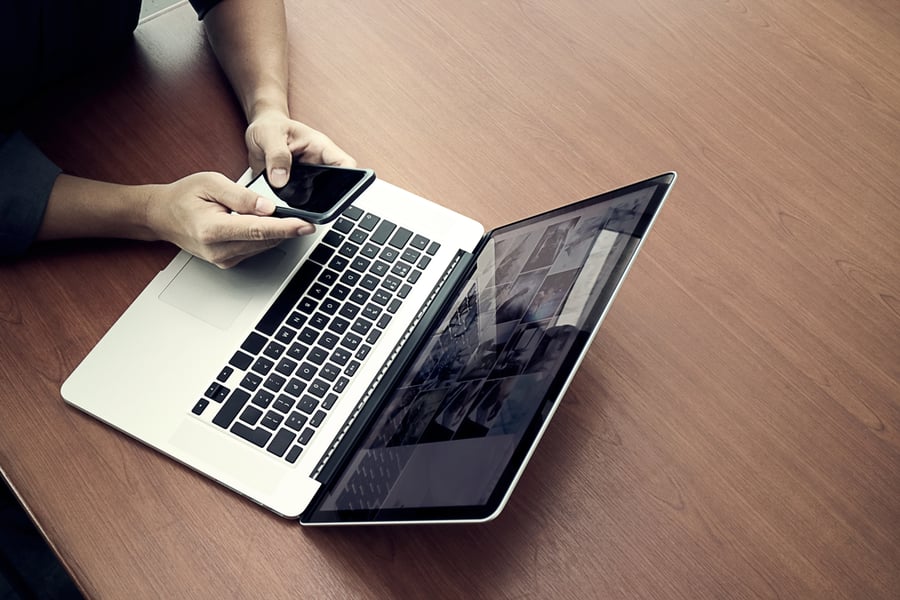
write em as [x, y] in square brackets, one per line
[311, 342]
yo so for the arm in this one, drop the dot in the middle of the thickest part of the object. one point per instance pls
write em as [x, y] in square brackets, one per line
[194, 213]
[249, 38]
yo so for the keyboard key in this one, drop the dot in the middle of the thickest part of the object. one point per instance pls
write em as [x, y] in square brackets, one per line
[274, 350]
[297, 351]
[307, 405]
[322, 254]
[251, 381]
[305, 436]
[296, 320]
[363, 352]
[400, 238]
[424, 262]
[338, 263]
[328, 340]
[272, 420]
[394, 306]
[286, 367]
[251, 415]
[382, 233]
[341, 384]
[274, 382]
[368, 282]
[281, 442]
[318, 356]
[283, 404]
[328, 277]
[217, 392]
[201, 405]
[369, 221]
[351, 369]
[339, 292]
[339, 325]
[333, 238]
[351, 341]
[400, 269]
[433, 248]
[360, 264]
[329, 372]
[254, 343]
[359, 237]
[404, 290]
[329, 306]
[348, 250]
[224, 374]
[349, 311]
[318, 291]
[307, 371]
[391, 283]
[343, 225]
[318, 388]
[263, 398]
[257, 436]
[414, 276]
[410, 255]
[308, 336]
[373, 337]
[388, 254]
[380, 268]
[241, 360]
[294, 387]
[381, 297]
[231, 408]
[420, 242]
[340, 356]
[371, 311]
[329, 401]
[361, 326]
[286, 335]
[263, 365]
[350, 278]
[294, 454]
[317, 418]
[353, 212]
[295, 421]
[319, 320]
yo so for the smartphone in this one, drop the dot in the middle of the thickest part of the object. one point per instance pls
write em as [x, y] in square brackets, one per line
[316, 193]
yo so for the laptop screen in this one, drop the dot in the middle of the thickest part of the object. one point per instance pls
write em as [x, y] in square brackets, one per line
[456, 431]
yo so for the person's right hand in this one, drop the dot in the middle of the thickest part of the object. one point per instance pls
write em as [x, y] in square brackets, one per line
[217, 220]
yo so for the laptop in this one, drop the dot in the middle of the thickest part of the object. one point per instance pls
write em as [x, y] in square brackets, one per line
[398, 366]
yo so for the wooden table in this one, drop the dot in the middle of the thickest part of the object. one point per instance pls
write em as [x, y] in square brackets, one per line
[733, 432]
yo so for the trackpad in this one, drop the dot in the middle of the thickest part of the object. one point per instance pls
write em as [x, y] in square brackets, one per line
[217, 296]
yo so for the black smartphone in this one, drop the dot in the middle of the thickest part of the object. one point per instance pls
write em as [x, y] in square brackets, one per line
[318, 193]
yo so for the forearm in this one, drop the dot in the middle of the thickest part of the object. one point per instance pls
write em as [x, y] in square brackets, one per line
[249, 38]
[84, 208]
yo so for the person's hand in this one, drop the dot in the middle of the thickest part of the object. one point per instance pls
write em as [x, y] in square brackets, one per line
[273, 140]
[195, 213]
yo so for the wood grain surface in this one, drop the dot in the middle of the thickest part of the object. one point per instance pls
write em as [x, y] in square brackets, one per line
[734, 431]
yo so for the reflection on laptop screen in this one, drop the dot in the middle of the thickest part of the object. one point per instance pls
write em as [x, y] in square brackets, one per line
[485, 379]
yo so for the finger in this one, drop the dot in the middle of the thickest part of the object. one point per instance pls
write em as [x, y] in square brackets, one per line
[270, 143]
[316, 147]
[236, 197]
[238, 227]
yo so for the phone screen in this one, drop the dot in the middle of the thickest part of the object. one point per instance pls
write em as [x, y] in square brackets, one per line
[317, 188]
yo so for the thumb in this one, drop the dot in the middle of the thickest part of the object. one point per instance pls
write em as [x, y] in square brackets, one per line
[278, 157]
[239, 199]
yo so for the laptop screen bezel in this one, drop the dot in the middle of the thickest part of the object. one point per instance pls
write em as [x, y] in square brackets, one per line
[552, 398]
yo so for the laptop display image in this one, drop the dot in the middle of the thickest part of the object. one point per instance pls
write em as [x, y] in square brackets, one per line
[397, 367]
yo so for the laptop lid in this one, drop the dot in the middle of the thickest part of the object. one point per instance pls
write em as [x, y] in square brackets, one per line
[450, 438]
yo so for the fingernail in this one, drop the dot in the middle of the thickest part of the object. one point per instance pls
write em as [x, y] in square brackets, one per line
[264, 206]
[306, 229]
[278, 177]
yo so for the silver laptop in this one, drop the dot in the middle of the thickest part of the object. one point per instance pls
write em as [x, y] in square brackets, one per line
[397, 366]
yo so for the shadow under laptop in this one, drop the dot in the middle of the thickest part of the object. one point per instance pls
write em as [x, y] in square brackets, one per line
[442, 561]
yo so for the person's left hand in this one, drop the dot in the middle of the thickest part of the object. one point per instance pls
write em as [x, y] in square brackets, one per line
[273, 140]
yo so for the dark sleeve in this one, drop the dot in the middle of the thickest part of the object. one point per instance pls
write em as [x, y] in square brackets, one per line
[203, 6]
[26, 178]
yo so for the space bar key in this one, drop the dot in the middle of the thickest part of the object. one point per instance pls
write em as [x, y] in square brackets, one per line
[288, 298]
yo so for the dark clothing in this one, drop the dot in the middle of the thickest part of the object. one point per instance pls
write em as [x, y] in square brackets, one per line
[41, 42]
